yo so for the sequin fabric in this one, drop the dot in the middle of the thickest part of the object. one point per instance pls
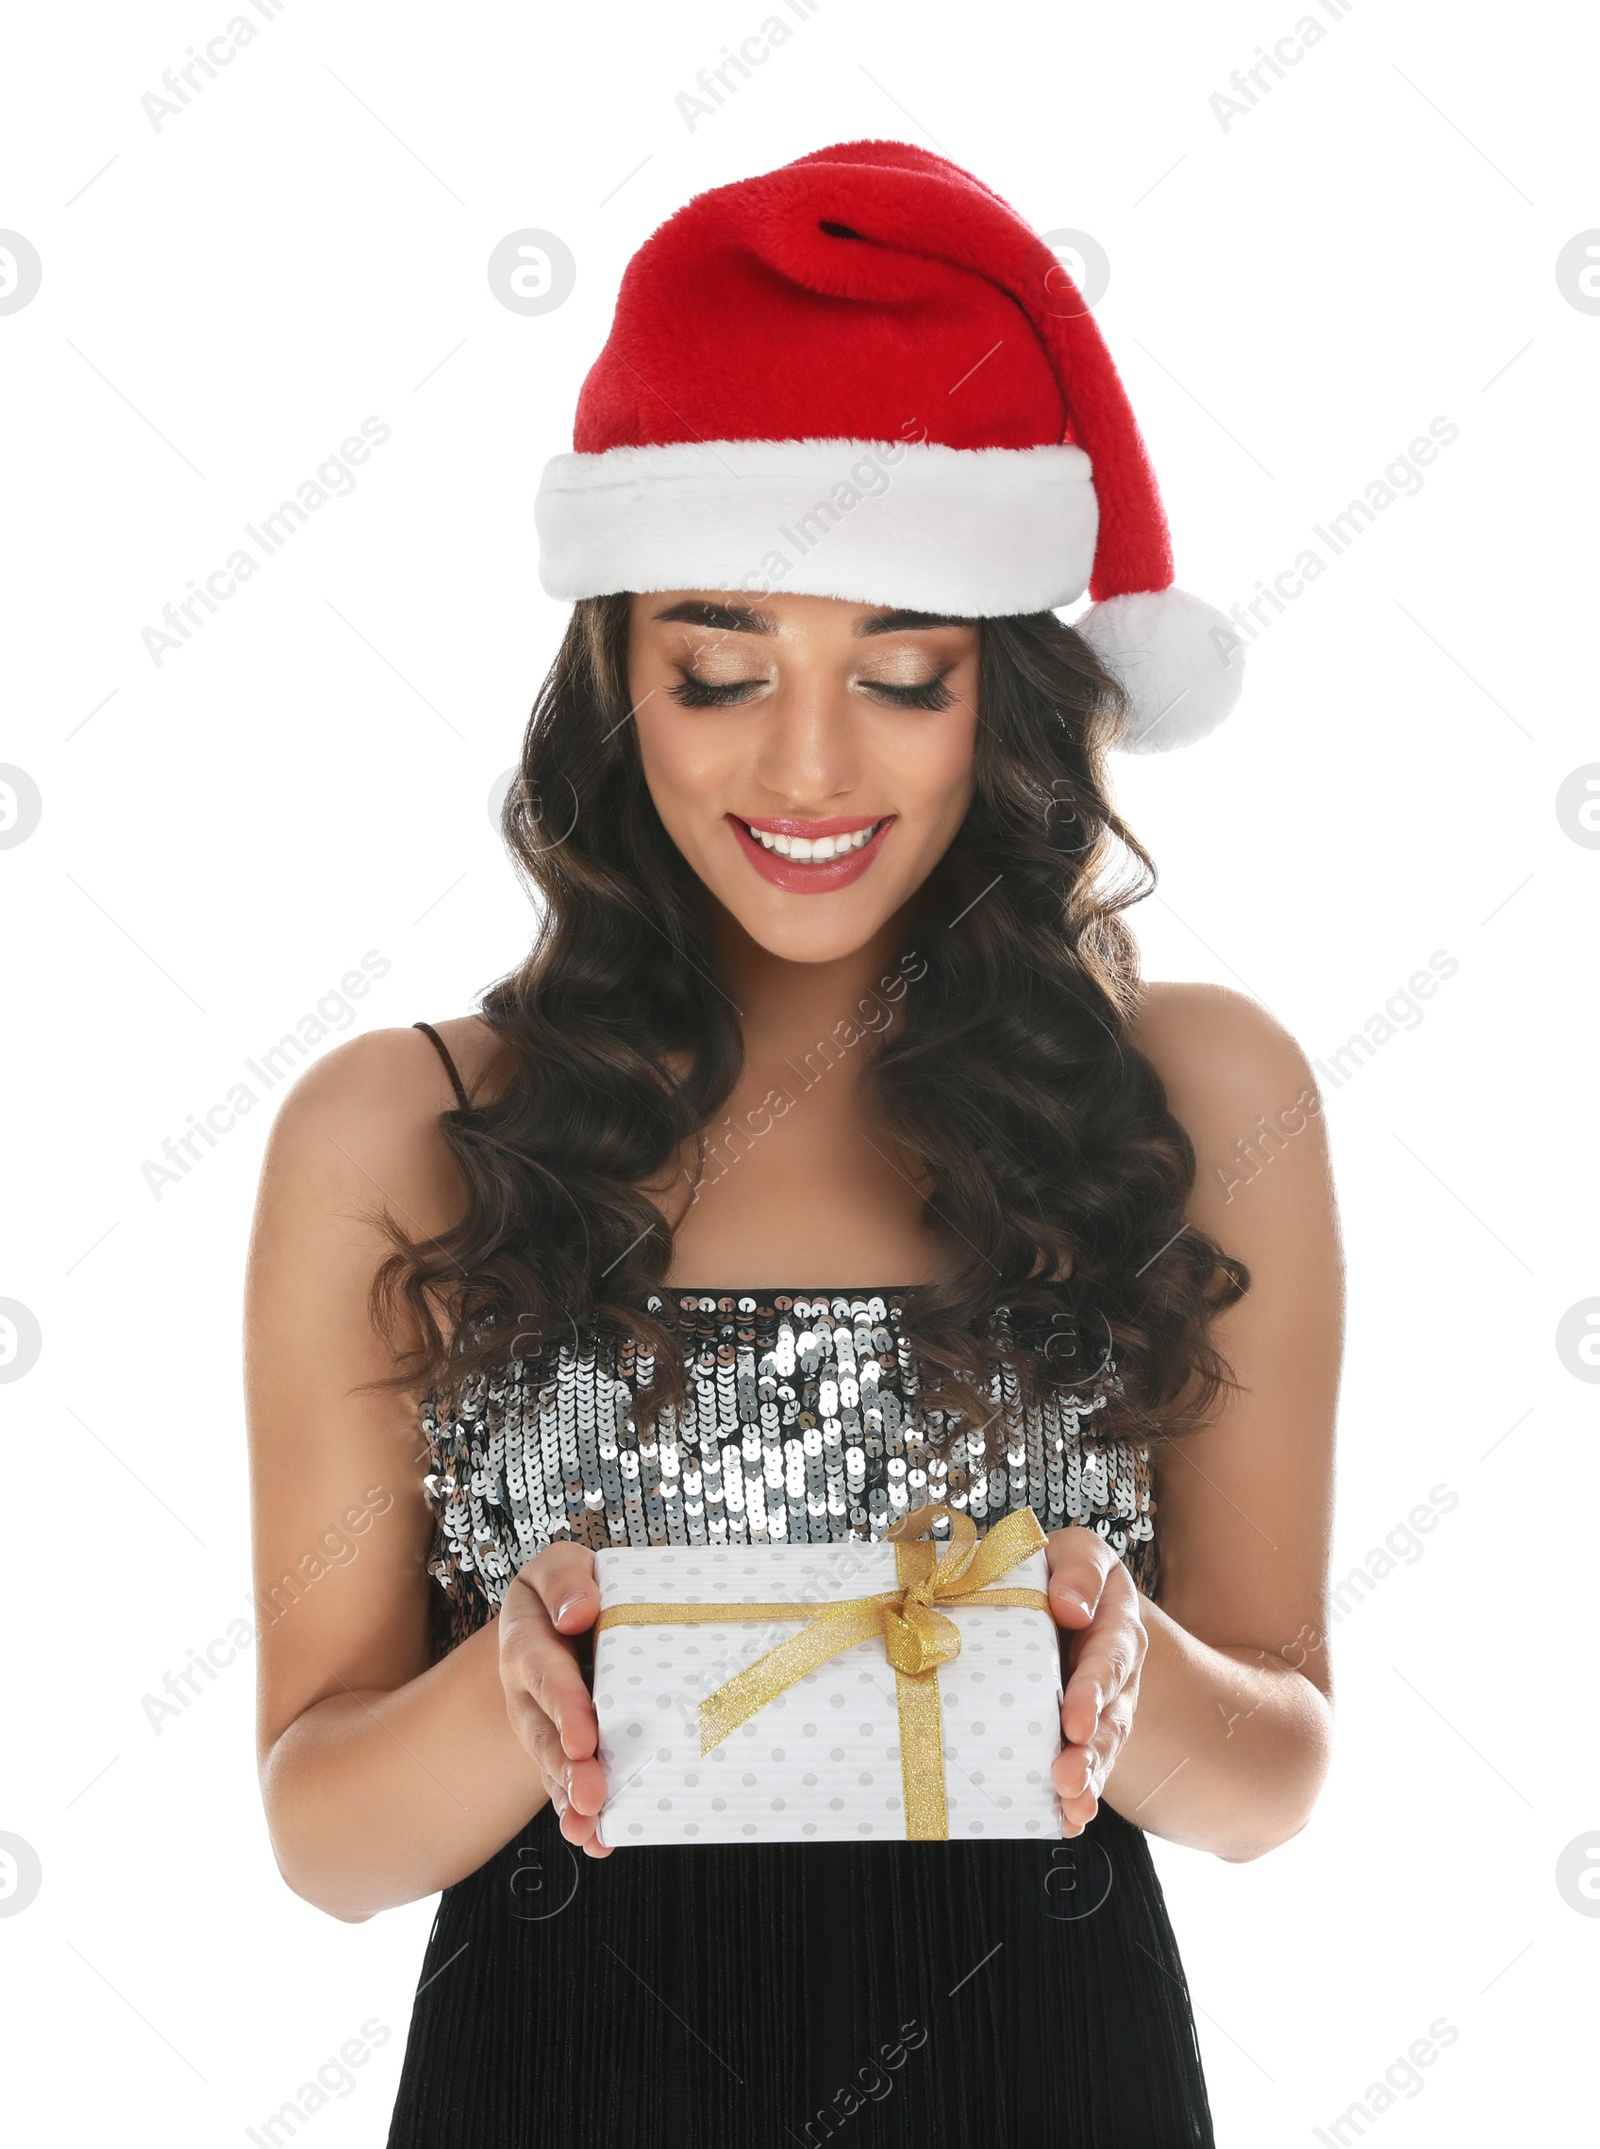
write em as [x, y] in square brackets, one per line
[803, 1428]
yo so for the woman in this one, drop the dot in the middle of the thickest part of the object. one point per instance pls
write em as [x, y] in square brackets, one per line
[832, 1028]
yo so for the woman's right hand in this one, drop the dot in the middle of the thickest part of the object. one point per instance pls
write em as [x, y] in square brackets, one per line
[547, 1697]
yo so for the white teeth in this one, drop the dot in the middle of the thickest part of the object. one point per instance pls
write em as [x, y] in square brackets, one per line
[815, 850]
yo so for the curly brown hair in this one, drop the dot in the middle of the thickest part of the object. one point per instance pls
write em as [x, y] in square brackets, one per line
[1008, 1079]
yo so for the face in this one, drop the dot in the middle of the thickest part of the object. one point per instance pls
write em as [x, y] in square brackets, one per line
[812, 759]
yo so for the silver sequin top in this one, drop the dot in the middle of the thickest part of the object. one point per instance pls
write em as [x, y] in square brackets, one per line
[804, 1428]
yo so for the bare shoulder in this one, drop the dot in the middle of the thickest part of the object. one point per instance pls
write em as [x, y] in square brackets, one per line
[476, 1050]
[1223, 1060]
[393, 1077]
[1244, 1093]
[360, 1127]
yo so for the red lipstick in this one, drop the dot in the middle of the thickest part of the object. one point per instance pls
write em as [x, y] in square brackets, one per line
[824, 824]
[797, 876]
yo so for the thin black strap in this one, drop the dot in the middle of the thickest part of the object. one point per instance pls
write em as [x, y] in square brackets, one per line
[463, 1101]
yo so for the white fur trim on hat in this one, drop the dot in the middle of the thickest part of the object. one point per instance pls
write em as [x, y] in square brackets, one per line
[1179, 660]
[975, 532]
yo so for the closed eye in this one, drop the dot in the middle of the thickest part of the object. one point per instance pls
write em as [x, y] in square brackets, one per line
[693, 692]
[927, 694]
[697, 693]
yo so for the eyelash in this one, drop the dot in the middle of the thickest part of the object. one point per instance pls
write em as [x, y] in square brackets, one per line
[696, 693]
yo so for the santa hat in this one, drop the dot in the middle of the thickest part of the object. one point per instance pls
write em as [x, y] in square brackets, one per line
[863, 376]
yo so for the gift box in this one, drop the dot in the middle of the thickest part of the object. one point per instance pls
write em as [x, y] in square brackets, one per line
[900, 1691]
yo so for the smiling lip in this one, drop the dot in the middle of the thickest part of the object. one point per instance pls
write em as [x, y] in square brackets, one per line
[808, 877]
[825, 824]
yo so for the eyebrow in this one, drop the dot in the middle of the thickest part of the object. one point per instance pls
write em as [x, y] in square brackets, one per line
[908, 622]
[748, 619]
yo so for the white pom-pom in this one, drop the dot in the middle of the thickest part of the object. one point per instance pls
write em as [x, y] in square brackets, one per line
[1178, 659]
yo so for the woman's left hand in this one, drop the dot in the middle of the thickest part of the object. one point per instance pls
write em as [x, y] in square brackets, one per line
[1092, 1594]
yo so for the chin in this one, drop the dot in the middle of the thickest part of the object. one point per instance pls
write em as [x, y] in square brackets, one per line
[796, 934]
[806, 929]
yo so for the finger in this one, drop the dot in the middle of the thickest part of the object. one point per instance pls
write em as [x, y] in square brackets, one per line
[540, 1737]
[586, 1788]
[1074, 1770]
[579, 1800]
[563, 1578]
[1079, 1564]
[575, 1787]
[1079, 1773]
[581, 1782]
[542, 1668]
[1102, 1660]
[1106, 1659]
[534, 1731]
[537, 1661]
[582, 1831]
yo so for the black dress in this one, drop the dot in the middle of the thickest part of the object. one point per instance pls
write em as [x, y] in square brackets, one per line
[979, 1994]
[976, 1994]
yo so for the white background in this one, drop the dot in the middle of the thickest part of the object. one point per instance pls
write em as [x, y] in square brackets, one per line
[1293, 298]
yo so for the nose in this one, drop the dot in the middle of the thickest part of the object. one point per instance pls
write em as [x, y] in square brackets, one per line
[808, 756]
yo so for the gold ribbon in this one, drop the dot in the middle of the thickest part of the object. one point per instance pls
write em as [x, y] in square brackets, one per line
[917, 1639]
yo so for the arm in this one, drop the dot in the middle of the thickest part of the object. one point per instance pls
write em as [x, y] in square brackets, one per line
[1207, 1717]
[385, 1776]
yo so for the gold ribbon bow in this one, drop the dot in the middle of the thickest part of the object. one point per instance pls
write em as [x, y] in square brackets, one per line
[917, 1638]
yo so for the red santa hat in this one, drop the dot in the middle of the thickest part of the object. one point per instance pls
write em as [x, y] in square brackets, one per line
[863, 376]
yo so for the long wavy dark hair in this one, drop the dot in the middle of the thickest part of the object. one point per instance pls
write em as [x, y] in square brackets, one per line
[1007, 1081]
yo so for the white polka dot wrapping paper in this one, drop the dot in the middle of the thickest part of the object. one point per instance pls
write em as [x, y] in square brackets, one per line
[820, 1762]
